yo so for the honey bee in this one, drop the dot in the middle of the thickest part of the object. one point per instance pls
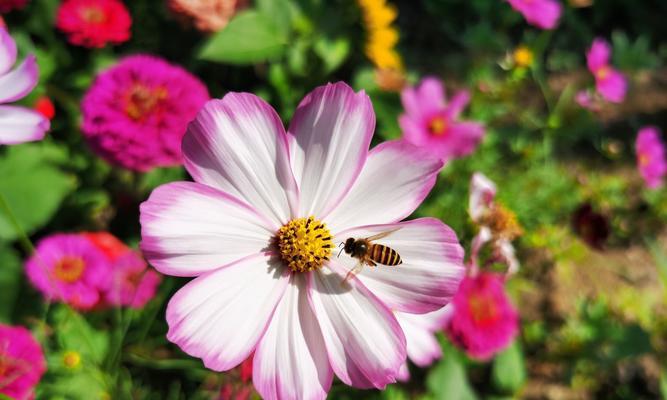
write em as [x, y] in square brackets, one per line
[370, 253]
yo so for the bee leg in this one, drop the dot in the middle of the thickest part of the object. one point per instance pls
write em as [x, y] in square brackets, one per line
[357, 268]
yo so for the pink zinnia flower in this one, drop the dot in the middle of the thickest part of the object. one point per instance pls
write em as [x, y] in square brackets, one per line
[651, 160]
[609, 82]
[133, 284]
[497, 225]
[422, 346]
[69, 268]
[135, 113]
[22, 362]
[18, 124]
[483, 320]
[543, 14]
[259, 227]
[9, 5]
[432, 124]
[94, 23]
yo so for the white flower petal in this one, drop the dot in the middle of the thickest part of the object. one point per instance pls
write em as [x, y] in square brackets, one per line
[7, 51]
[291, 360]
[365, 344]
[18, 83]
[189, 228]
[239, 145]
[329, 138]
[395, 179]
[19, 124]
[482, 193]
[422, 345]
[221, 315]
[431, 270]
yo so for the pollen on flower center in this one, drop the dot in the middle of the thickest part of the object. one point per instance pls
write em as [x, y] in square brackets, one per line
[602, 73]
[503, 222]
[304, 244]
[437, 126]
[69, 269]
[92, 14]
[142, 100]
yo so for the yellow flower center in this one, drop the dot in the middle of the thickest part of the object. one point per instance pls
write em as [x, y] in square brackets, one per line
[71, 359]
[602, 73]
[482, 309]
[503, 222]
[644, 160]
[437, 126]
[69, 269]
[523, 57]
[92, 14]
[304, 244]
[141, 100]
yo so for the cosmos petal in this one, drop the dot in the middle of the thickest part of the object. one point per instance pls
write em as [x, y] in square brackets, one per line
[291, 360]
[239, 145]
[7, 51]
[384, 193]
[329, 138]
[189, 228]
[422, 346]
[18, 83]
[221, 315]
[19, 124]
[365, 343]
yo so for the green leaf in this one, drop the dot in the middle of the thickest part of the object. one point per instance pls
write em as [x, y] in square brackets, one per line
[10, 278]
[663, 384]
[74, 333]
[332, 52]
[448, 380]
[249, 38]
[32, 186]
[509, 371]
[278, 11]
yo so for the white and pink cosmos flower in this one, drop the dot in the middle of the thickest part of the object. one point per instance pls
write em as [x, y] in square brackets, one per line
[18, 124]
[258, 230]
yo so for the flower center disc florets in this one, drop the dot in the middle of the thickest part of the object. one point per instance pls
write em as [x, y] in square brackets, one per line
[304, 244]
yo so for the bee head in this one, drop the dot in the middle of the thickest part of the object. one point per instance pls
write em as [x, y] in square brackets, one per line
[349, 245]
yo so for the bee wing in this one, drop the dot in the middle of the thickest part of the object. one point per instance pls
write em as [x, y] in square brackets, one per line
[382, 234]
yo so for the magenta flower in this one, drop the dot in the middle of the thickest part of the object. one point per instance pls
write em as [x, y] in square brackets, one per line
[483, 320]
[497, 225]
[543, 14]
[258, 229]
[18, 124]
[422, 345]
[22, 362]
[69, 268]
[609, 82]
[432, 124]
[651, 160]
[135, 113]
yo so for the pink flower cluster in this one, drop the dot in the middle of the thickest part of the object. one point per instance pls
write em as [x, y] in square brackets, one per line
[136, 112]
[91, 270]
[431, 123]
[22, 362]
[94, 23]
[610, 84]
[651, 160]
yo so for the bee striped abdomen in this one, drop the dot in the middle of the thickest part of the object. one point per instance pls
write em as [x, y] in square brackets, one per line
[385, 255]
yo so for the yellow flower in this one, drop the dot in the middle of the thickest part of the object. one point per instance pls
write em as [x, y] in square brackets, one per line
[71, 359]
[382, 36]
[523, 57]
